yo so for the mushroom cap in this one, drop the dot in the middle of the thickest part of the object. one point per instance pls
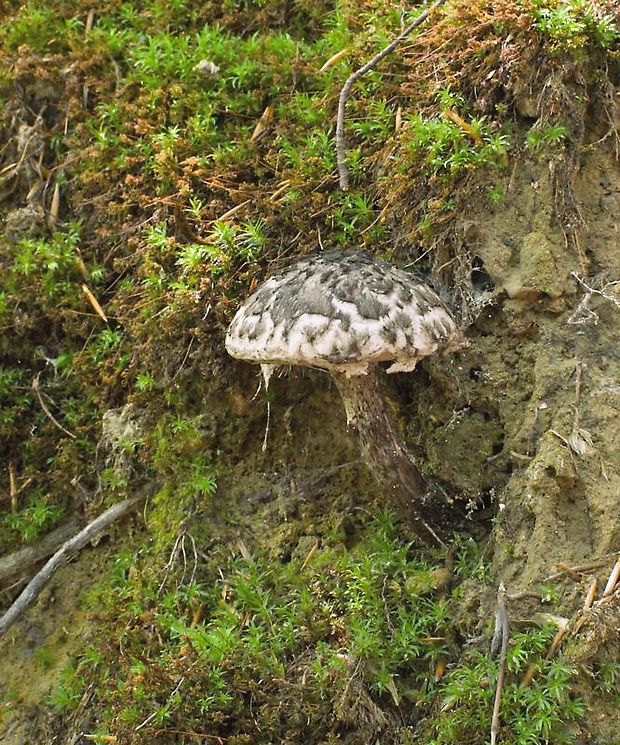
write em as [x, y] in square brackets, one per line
[343, 311]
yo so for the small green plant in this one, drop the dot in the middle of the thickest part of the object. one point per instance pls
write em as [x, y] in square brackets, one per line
[113, 481]
[69, 690]
[541, 137]
[550, 593]
[196, 256]
[14, 396]
[495, 195]
[251, 239]
[36, 26]
[470, 561]
[33, 520]
[177, 452]
[196, 208]
[312, 155]
[377, 122]
[447, 98]
[45, 657]
[145, 382]
[535, 713]
[449, 150]
[607, 677]
[50, 264]
[353, 216]
[573, 24]
[105, 343]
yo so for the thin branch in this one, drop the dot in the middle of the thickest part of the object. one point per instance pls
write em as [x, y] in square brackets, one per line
[341, 154]
[583, 313]
[12, 564]
[502, 623]
[613, 580]
[33, 589]
[179, 547]
[603, 561]
[46, 411]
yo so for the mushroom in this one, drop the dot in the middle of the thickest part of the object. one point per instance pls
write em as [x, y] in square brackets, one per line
[346, 312]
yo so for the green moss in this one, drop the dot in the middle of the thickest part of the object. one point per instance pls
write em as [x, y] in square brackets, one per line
[539, 712]
[328, 636]
[576, 25]
[369, 615]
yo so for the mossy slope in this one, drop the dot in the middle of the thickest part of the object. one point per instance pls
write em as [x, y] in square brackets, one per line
[157, 160]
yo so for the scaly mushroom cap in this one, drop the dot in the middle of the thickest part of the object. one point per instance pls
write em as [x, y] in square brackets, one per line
[343, 311]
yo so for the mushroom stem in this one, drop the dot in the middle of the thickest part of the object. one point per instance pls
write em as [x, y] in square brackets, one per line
[423, 508]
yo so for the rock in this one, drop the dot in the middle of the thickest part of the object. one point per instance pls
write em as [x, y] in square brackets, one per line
[24, 222]
[539, 271]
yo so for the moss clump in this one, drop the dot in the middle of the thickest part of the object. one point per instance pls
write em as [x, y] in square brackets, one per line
[254, 649]
[343, 645]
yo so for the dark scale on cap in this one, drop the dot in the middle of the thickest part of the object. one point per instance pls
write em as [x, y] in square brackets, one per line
[342, 356]
[257, 329]
[403, 294]
[344, 320]
[389, 334]
[370, 306]
[401, 319]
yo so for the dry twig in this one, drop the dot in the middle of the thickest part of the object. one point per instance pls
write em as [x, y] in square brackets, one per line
[46, 411]
[580, 568]
[613, 580]
[33, 589]
[591, 595]
[94, 302]
[502, 627]
[583, 313]
[17, 562]
[180, 549]
[341, 154]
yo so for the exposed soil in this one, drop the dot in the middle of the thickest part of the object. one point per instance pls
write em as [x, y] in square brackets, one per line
[548, 365]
